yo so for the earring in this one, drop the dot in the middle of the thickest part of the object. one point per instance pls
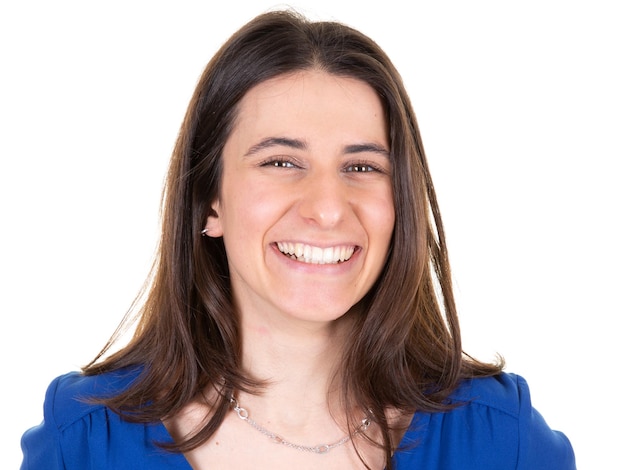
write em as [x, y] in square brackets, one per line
[204, 232]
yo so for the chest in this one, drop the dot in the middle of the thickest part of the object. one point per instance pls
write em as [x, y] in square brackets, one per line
[244, 447]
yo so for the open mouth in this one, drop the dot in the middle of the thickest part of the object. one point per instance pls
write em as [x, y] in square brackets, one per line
[315, 254]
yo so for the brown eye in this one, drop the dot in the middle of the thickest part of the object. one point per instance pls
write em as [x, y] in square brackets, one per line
[278, 163]
[360, 168]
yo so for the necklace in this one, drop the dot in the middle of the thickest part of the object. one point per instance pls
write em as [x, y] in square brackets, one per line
[318, 449]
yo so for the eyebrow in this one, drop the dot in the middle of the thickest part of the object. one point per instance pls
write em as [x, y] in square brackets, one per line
[276, 142]
[367, 147]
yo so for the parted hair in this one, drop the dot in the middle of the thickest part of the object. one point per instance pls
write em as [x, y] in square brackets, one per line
[405, 348]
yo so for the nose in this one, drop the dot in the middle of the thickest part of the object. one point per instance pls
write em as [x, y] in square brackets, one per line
[324, 200]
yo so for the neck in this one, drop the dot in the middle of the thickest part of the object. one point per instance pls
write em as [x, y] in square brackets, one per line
[298, 362]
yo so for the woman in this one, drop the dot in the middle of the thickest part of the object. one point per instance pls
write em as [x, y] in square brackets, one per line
[300, 312]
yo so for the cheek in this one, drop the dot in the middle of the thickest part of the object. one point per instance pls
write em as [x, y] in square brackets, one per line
[251, 210]
[387, 225]
[381, 215]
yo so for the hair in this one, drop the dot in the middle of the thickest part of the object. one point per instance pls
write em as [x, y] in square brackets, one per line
[405, 349]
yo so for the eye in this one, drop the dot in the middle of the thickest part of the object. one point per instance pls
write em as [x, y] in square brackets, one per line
[363, 167]
[278, 163]
[359, 168]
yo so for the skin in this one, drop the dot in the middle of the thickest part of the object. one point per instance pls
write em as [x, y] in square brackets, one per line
[306, 213]
[306, 165]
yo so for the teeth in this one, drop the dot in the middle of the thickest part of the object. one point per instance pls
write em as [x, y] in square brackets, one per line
[315, 254]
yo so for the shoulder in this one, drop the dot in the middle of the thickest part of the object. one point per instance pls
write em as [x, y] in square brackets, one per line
[77, 430]
[72, 396]
[493, 425]
[504, 392]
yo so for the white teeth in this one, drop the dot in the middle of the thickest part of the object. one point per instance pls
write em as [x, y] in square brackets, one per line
[298, 250]
[329, 255]
[315, 254]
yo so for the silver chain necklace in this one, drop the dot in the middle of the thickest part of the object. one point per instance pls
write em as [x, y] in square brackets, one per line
[318, 449]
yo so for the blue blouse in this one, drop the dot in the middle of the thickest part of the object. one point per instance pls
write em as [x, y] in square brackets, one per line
[496, 428]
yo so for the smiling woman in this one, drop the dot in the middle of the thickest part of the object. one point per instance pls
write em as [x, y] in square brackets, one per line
[306, 189]
[302, 289]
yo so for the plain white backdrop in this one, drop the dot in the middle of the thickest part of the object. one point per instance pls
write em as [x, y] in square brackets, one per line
[522, 110]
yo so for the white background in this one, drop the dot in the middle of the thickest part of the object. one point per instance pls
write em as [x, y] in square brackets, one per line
[522, 110]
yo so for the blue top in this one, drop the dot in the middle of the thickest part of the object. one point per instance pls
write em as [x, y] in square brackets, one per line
[497, 429]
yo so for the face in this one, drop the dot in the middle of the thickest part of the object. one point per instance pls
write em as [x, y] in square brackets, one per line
[306, 207]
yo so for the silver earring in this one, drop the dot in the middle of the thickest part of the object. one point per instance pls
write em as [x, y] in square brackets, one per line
[204, 232]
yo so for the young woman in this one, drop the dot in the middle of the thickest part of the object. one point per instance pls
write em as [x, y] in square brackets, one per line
[300, 313]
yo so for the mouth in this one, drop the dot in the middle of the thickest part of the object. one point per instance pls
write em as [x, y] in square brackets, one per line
[315, 254]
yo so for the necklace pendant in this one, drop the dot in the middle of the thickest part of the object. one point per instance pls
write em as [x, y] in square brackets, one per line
[277, 439]
[321, 449]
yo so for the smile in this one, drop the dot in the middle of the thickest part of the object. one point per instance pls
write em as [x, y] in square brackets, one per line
[315, 254]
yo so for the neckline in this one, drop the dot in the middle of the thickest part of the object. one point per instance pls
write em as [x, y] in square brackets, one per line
[163, 435]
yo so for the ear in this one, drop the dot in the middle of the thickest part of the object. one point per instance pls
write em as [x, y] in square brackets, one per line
[213, 225]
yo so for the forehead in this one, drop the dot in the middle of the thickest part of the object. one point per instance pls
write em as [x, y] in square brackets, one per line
[311, 104]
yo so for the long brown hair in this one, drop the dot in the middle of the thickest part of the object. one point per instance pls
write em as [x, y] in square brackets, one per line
[405, 350]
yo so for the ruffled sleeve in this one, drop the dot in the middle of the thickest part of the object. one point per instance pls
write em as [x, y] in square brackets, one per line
[78, 434]
[494, 427]
[40, 445]
[540, 446]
